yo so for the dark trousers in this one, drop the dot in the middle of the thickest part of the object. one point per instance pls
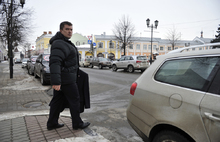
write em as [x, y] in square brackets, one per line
[70, 93]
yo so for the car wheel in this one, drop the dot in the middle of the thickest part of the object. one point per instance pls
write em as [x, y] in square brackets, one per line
[29, 71]
[42, 81]
[83, 65]
[100, 66]
[91, 65]
[114, 68]
[130, 69]
[169, 136]
[35, 74]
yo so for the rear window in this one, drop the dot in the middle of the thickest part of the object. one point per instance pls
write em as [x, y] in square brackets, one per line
[141, 58]
[191, 72]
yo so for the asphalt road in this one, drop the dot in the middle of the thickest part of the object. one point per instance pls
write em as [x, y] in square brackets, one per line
[109, 93]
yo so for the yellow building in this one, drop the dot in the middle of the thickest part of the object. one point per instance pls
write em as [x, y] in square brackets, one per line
[42, 43]
[107, 46]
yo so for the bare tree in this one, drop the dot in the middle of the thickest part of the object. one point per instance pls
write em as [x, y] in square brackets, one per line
[173, 36]
[124, 31]
[19, 27]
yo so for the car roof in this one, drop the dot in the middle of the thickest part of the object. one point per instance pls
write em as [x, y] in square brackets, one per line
[191, 53]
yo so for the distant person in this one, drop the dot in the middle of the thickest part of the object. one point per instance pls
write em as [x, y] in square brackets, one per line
[64, 64]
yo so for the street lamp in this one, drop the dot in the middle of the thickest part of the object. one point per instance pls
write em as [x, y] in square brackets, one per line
[151, 26]
[22, 2]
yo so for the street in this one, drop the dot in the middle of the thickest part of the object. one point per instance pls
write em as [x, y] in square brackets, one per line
[109, 95]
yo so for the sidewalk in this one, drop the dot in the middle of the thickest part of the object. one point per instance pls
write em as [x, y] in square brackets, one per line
[24, 111]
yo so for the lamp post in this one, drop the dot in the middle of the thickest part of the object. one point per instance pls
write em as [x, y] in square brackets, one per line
[10, 54]
[152, 27]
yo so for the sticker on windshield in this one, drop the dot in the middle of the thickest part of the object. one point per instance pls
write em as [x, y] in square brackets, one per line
[46, 57]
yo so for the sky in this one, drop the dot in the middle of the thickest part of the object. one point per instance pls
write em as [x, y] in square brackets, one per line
[94, 17]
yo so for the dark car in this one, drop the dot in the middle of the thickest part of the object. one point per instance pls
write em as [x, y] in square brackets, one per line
[41, 68]
[30, 64]
[100, 62]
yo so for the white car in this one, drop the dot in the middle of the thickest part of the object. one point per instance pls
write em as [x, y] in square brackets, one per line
[177, 99]
[24, 62]
[131, 63]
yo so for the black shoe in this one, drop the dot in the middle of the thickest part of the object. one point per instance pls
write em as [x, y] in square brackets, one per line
[82, 126]
[55, 127]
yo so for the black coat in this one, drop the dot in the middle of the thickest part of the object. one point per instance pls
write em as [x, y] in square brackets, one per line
[64, 60]
[83, 87]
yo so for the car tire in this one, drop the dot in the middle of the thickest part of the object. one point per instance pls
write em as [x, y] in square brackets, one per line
[100, 66]
[42, 81]
[114, 68]
[170, 136]
[29, 71]
[130, 69]
[35, 74]
[91, 65]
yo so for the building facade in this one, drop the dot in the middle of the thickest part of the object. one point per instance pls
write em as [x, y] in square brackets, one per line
[42, 43]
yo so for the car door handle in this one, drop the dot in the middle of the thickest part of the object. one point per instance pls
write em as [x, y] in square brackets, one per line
[210, 116]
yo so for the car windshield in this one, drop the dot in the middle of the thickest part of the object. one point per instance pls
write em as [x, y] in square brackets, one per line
[24, 60]
[33, 59]
[46, 58]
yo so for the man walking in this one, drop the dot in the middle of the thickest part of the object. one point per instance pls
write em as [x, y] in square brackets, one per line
[64, 64]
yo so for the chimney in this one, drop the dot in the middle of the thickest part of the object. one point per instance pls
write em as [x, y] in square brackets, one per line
[201, 34]
[50, 32]
[45, 33]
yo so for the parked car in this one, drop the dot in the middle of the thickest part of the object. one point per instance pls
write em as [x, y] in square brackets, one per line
[17, 60]
[41, 68]
[24, 62]
[85, 62]
[100, 62]
[30, 64]
[177, 98]
[131, 63]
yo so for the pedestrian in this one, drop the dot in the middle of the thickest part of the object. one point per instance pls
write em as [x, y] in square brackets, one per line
[64, 64]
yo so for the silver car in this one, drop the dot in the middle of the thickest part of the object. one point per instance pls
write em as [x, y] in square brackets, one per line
[131, 63]
[177, 99]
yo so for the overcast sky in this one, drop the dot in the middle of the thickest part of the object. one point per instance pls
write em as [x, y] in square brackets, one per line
[189, 17]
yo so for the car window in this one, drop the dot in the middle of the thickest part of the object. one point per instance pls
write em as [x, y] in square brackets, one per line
[191, 72]
[122, 59]
[141, 58]
[46, 58]
[215, 87]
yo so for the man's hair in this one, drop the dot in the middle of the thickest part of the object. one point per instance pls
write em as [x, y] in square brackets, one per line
[65, 23]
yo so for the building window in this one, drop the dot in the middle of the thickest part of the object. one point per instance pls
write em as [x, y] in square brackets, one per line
[193, 49]
[149, 47]
[145, 47]
[83, 43]
[161, 47]
[154, 47]
[77, 43]
[169, 48]
[200, 48]
[176, 48]
[131, 46]
[100, 45]
[111, 45]
[138, 47]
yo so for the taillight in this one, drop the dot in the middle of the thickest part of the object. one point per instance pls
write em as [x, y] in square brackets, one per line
[133, 88]
[138, 61]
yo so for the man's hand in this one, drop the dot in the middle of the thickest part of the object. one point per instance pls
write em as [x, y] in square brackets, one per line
[56, 87]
